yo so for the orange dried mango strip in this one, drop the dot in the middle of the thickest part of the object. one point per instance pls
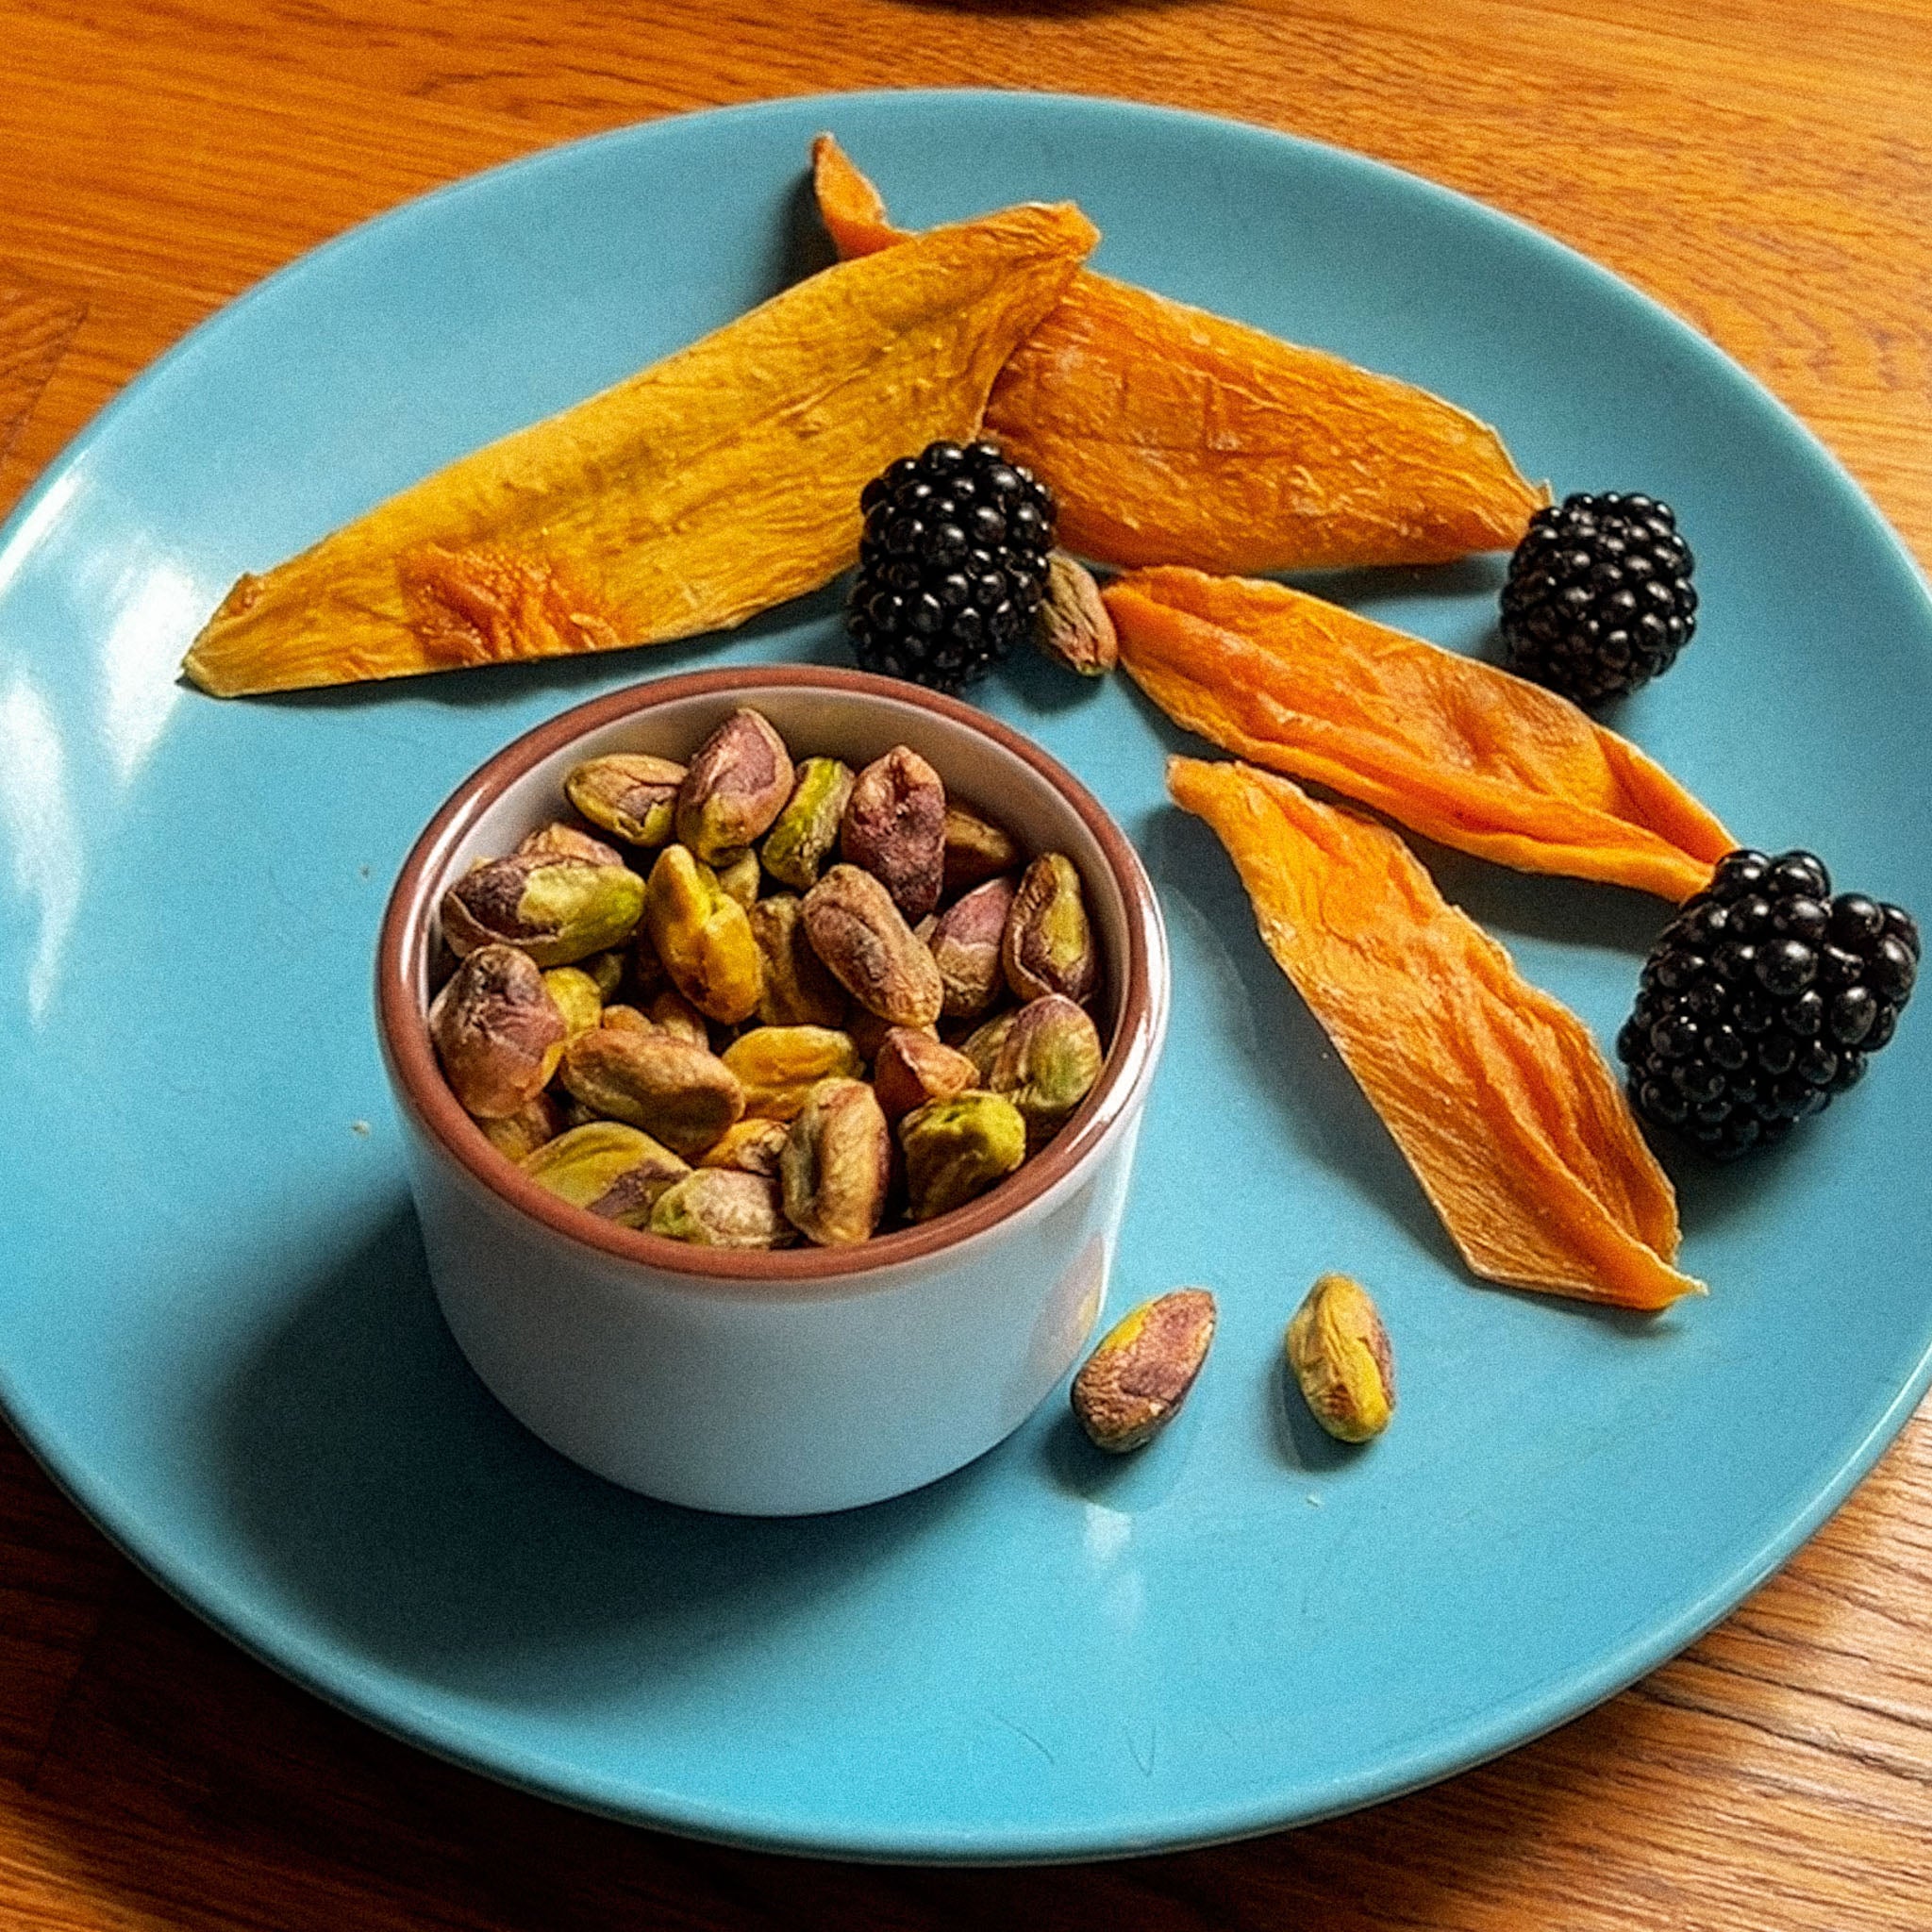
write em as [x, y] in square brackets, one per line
[1454, 748]
[1171, 435]
[694, 494]
[1495, 1092]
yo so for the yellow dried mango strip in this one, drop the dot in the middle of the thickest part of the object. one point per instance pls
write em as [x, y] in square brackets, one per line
[1171, 435]
[1495, 1092]
[711, 486]
[1456, 749]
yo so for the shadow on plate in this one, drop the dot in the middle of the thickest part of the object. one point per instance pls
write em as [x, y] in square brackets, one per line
[1302, 1443]
[407, 1512]
[1366, 589]
[1141, 1479]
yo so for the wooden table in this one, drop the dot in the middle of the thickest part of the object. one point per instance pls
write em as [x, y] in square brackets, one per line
[1765, 168]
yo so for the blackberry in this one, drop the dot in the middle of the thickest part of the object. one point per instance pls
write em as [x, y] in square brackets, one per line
[1763, 999]
[952, 565]
[1598, 599]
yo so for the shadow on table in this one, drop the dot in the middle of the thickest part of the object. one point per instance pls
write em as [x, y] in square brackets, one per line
[406, 1511]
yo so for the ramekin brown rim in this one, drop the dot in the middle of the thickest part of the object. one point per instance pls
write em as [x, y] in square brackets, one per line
[408, 928]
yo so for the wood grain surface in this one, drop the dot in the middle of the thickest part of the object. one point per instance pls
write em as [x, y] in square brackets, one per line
[1764, 169]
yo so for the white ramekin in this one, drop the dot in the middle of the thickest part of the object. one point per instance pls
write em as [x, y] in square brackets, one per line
[807, 1379]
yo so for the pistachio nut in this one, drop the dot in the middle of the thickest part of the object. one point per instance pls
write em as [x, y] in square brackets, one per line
[630, 794]
[722, 1208]
[609, 1170]
[806, 831]
[752, 1146]
[625, 1019]
[912, 1068]
[982, 1046]
[869, 1033]
[1131, 1387]
[976, 850]
[1073, 626]
[497, 1031]
[777, 1066]
[837, 1164]
[539, 1119]
[861, 934]
[1047, 1062]
[607, 973]
[559, 910]
[702, 938]
[955, 1149]
[1339, 1353]
[1048, 945]
[561, 840]
[965, 945]
[896, 828]
[736, 784]
[671, 1013]
[576, 996]
[679, 1093]
[797, 990]
[741, 878]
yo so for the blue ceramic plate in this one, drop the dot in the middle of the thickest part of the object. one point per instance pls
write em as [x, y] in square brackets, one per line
[216, 1328]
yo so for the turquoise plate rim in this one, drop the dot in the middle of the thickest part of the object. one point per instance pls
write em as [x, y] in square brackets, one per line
[334, 1677]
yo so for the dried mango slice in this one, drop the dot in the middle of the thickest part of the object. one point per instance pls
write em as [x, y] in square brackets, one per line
[1456, 749]
[709, 487]
[1495, 1092]
[1172, 436]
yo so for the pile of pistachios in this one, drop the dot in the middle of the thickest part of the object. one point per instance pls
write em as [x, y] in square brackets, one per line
[790, 1001]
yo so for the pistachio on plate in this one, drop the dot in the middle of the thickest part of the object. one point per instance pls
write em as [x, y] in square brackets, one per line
[1339, 1353]
[1133, 1384]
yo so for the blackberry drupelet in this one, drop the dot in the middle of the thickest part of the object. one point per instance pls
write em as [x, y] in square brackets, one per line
[1763, 999]
[952, 565]
[1598, 600]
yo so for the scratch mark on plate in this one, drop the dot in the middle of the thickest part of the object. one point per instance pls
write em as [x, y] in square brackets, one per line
[1021, 1731]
